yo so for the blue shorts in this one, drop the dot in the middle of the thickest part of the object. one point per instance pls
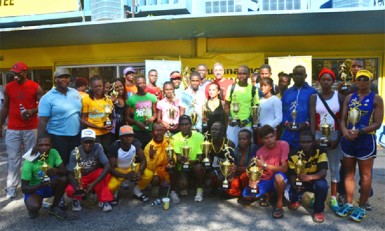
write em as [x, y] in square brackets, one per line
[264, 186]
[44, 192]
[362, 148]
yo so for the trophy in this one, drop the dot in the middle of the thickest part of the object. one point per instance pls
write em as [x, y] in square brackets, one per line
[107, 112]
[170, 154]
[326, 130]
[344, 68]
[133, 164]
[44, 167]
[254, 173]
[255, 112]
[171, 115]
[204, 117]
[235, 110]
[206, 147]
[194, 120]
[185, 77]
[294, 115]
[114, 93]
[225, 165]
[186, 153]
[78, 172]
[299, 168]
[354, 116]
[145, 116]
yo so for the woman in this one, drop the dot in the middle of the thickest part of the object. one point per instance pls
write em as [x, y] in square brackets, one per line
[118, 96]
[168, 108]
[270, 105]
[214, 107]
[319, 114]
[362, 115]
[96, 111]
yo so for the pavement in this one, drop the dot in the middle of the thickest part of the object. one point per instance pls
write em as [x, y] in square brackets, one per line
[211, 214]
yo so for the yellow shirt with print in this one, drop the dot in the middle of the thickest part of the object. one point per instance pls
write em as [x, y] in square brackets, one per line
[96, 112]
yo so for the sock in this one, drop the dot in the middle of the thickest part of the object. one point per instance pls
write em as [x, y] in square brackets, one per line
[137, 191]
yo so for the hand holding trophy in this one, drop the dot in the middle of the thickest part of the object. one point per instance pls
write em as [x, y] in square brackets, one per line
[78, 173]
[170, 154]
[326, 130]
[254, 173]
[186, 155]
[235, 108]
[299, 169]
[206, 147]
[354, 116]
[225, 166]
[44, 167]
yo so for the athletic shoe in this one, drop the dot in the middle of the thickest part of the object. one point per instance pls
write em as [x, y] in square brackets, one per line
[107, 207]
[184, 192]
[334, 204]
[76, 206]
[57, 212]
[11, 193]
[319, 217]
[368, 206]
[345, 210]
[358, 214]
[199, 195]
[174, 197]
[62, 204]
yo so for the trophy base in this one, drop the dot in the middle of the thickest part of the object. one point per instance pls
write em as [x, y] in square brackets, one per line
[324, 144]
[108, 123]
[146, 127]
[255, 126]
[225, 186]
[344, 88]
[206, 164]
[186, 168]
[46, 179]
[298, 183]
[254, 190]
[294, 126]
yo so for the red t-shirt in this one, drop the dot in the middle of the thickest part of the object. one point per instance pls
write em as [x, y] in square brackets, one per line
[223, 85]
[155, 91]
[25, 94]
[274, 156]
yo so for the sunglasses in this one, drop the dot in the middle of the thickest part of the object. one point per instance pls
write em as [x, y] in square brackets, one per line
[364, 79]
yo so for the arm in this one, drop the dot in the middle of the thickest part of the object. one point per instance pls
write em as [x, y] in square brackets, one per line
[277, 104]
[4, 112]
[154, 113]
[344, 130]
[378, 115]
[42, 127]
[143, 161]
[26, 188]
[227, 108]
[321, 174]
[33, 111]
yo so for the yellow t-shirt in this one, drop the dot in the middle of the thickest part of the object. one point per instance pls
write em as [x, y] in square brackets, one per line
[96, 110]
[160, 158]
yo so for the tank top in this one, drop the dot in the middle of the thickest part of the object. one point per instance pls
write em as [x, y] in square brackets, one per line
[334, 105]
[365, 108]
[217, 115]
[125, 157]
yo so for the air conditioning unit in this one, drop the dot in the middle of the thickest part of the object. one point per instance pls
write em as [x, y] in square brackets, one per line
[223, 6]
[106, 10]
[273, 5]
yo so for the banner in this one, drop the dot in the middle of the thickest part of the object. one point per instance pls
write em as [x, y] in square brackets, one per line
[164, 69]
[287, 63]
[9, 8]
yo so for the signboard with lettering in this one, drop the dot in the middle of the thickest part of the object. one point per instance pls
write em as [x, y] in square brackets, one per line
[9, 8]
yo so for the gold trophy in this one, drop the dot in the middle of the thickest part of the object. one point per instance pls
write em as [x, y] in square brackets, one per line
[133, 164]
[326, 130]
[78, 172]
[107, 112]
[354, 116]
[299, 168]
[170, 154]
[206, 147]
[204, 117]
[344, 73]
[194, 120]
[235, 110]
[186, 154]
[171, 115]
[255, 113]
[146, 114]
[254, 173]
[114, 93]
[294, 115]
[44, 167]
[185, 77]
[225, 165]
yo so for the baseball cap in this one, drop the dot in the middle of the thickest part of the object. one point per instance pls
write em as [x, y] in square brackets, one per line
[88, 134]
[61, 71]
[129, 69]
[175, 75]
[19, 67]
[185, 117]
[126, 130]
[365, 73]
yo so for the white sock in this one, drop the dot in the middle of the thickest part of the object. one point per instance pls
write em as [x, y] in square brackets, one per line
[137, 192]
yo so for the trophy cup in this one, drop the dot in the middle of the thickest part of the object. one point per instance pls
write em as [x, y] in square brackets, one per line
[78, 172]
[114, 93]
[186, 153]
[204, 117]
[206, 147]
[145, 116]
[294, 115]
[107, 112]
[235, 110]
[354, 116]
[344, 68]
[254, 173]
[255, 112]
[44, 167]
[299, 168]
[170, 154]
[171, 115]
[225, 165]
[194, 120]
[326, 130]
[133, 164]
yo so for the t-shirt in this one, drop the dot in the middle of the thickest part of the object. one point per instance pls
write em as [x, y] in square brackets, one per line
[270, 111]
[243, 160]
[142, 105]
[31, 170]
[123, 157]
[313, 164]
[155, 91]
[243, 96]
[88, 161]
[160, 158]
[194, 141]
[275, 156]
[193, 102]
[96, 109]
[164, 106]
[131, 90]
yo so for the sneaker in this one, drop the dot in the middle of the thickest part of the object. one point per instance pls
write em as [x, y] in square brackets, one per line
[368, 206]
[358, 214]
[107, 207]
[334, 204]
[76, 206]
[294, 205]
[184, 192]
[62, 204]
[174, 197]
[341, 199]
[345, 210]
[57, 212]
[311, 203]
[319, 217]
[11, 193]
[199, 195]
[46, 204]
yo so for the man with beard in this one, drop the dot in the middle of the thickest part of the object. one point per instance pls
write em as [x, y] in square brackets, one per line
[224, 83]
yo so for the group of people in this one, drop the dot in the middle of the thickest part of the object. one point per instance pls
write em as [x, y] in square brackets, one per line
[248, 138]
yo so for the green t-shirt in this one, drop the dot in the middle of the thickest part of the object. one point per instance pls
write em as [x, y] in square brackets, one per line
[243, 96]
[195, 141]
[31, 170]
[142, 105]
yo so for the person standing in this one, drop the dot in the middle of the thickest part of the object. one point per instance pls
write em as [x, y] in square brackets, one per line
[202, 69]
[224, 83]
[151, 86]
[129, 75]
[214, 108]
[168, 108]
[20, 106]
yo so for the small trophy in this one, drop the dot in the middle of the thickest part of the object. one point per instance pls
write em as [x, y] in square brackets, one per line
[186, 153]
[299, 168]
[194, 120]
[78, 172]
[326, 130]
[204, 117]
[146, 114]
[294, 115]
[344, 68]
[171, 115]
[206, 147]
[225, 165]
[114, 93]
[133, 164]
[235, 110]
[44, 167]
[354, 116]
[107, 112]
[255, 112]
[254, 173]
[170, 154]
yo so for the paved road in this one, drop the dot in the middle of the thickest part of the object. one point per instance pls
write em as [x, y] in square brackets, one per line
[211, 214]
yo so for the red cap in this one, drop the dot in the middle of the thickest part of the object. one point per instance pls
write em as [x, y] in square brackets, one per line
[326, 71]
[175, 75]
[19, 67]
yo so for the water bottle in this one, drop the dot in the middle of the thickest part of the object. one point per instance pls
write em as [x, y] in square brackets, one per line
[22, 111]
[156, 202]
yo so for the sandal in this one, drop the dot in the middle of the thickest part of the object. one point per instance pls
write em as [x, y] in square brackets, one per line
[263, 202]
[142, 198]
[277, 213]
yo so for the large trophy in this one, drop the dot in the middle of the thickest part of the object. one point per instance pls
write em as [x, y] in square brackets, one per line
[205, 117]
[186, 77]
[235, 110]
[170, 154]
[354, 116]
[78, 172]
[299, 169]
[326, 130]
[194, 115]
[133, 164]
[255, 113]
[344, 74]
[294, 115]
[206, 147]
[171, 115]
[44, 167]
[225, 165]
[186, 154]
[254, 173]
[107, 112]
[114, 93]
[146, 115]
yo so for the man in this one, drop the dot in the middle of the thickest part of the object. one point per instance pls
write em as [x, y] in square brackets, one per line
[192, 100]
[59, 115]
[176, 79]
[20, 106]
[272, 158]
[202, 69]
[32, 179]
[283, 83]
[357, 65]
[151, 86]
[312, 175]
[142, 111]
[95, 174]
[224, 83]
[245, 95]
[295, 108]
[123, 156]
[193, 140]
[129, 74]
[157, 160]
